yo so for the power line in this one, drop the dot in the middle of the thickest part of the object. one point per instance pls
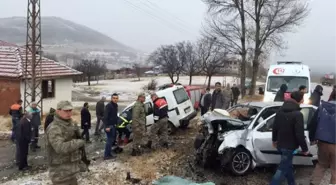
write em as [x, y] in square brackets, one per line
[161, 20]
[168, 13]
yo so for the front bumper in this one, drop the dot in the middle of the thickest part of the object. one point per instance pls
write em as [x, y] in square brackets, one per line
[185, 121]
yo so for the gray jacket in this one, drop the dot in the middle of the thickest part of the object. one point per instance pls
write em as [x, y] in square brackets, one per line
[220, 100]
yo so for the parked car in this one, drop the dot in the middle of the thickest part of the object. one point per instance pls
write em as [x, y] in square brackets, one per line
[244, 144]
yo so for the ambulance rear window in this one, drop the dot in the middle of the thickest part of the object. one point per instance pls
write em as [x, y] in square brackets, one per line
[180, 95]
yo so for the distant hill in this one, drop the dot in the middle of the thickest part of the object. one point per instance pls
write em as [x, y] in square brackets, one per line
[58, 31]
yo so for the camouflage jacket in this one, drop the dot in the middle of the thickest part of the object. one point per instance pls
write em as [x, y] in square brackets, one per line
[62, 146]
[139, 114]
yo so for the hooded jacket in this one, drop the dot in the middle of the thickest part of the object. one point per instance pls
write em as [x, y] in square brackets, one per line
[280, 95]
[288, 127]
[315, 98]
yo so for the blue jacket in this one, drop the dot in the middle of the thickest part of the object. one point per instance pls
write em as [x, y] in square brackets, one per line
[322, 126]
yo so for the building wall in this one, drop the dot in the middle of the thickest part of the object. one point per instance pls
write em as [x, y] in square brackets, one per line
[63, 91]
[9, 94]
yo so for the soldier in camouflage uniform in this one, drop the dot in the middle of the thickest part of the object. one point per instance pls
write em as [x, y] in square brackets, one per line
[138, 125]
[62, 146]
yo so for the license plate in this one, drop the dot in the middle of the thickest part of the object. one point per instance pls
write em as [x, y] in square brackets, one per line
[186, 110]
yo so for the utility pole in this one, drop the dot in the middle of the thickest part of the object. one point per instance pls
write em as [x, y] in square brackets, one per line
[33, 61]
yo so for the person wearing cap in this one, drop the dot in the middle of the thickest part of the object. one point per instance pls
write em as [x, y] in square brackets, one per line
[110, 123]
[138, 125]
[36, 122]
[62, 146]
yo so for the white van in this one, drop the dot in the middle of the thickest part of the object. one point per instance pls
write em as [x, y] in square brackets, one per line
[293, 74]
[180, 108]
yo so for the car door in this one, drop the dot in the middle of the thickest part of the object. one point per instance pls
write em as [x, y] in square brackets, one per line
[263, 149]
[149, 114]
[262, 142]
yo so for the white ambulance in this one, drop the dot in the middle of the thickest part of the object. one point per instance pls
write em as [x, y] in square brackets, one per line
[293, 74]
[180, 107]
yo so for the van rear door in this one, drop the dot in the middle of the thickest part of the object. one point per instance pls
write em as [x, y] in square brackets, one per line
[184, 105]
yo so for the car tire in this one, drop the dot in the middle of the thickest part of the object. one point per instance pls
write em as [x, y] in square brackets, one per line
[171, 128]
[199, 141]
[240, 162]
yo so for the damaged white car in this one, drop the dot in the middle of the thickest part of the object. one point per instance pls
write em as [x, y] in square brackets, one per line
[241, 138]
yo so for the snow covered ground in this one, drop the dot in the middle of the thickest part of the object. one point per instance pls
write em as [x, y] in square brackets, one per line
[128, 88]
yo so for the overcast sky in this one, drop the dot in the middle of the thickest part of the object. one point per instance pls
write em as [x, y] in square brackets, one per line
[146, 24]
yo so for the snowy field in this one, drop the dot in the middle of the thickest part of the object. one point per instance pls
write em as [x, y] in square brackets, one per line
[128, 88]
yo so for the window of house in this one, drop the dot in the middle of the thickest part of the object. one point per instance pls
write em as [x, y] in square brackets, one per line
[48, 88]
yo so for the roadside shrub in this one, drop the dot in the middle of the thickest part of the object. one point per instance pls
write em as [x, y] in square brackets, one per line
[151, 86]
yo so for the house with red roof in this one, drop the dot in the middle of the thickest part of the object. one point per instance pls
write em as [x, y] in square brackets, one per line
[56, 78]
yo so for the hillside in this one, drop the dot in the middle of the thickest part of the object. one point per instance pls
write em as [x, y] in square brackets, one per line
[58, 31]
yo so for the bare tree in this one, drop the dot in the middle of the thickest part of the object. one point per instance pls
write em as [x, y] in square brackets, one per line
[137, 69]
[272, 19]
[212, 56]
[230, 32]
[187, 55]
[91, 68]
[168, 58]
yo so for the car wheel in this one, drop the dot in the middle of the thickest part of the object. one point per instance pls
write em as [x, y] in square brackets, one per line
[240, 162]
[171, 128]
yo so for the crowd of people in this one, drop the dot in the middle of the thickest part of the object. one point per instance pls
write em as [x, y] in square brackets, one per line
[64, 139]
[288, 134]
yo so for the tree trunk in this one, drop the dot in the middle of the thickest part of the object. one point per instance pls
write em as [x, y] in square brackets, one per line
[257, 52]
[89, 79]
[171, 76]
[97, 79]
[138, 77]
[209, 81]
[177, 78]
[243, 54]
[190, 79]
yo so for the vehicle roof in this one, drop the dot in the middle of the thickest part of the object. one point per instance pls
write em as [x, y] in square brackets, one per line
[270, 104]
[290, 70]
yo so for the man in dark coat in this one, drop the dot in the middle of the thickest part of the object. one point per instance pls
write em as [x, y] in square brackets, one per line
[49, 118]
[110, 123]
[16, 112]
[23, 138]
[86, 122]
[220, 99]
[288, 135]
[36, 122]
[280, 95]
[100, 106]
[235, 95]
[315, 98]
[205, 101]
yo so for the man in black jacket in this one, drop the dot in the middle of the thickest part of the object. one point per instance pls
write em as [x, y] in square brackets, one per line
[288, 136]
[100, 106]
[235, 94]
[86, 122]
[280, 95]
[23, 138]
[205, 101]
[315, 98]
[49, 118]
[110, 122]
[16, 112]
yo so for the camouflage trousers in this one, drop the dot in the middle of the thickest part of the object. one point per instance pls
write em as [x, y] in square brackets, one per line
[159, 131]
[64, 174]
[139, 134]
